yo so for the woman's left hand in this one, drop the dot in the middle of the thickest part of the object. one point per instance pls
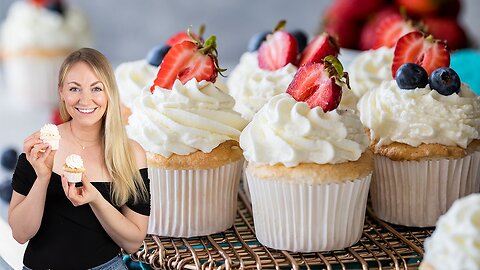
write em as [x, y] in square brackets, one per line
[87, 193]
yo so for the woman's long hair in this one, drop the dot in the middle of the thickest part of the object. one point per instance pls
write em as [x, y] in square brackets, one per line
[119, 158]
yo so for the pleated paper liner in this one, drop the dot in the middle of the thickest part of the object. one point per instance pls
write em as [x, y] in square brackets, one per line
[417, 193]
[186, 203]
[307, 218]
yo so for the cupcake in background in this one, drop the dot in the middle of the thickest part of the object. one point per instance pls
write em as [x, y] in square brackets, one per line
[35, 38]
[455, 242]
[425, 129]
[73, 168]
[49, 134]
[309, 167]
[190, 132]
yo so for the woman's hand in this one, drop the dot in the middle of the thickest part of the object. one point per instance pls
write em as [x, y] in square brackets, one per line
[40, 155]
[87, 193]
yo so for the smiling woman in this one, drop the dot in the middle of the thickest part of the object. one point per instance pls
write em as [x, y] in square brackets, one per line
[110, 210]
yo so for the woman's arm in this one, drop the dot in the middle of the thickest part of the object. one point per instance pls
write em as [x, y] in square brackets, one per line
[25, 212]
[127, 228]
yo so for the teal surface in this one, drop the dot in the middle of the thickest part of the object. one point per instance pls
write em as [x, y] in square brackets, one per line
[467, 64]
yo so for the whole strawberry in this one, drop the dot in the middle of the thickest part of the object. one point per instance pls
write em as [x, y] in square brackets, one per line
[186, 60]
[319, 84]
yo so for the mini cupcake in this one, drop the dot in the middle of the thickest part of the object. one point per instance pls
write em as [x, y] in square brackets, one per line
[455, 242]
[190, 132]
[35, 38]
[309, 168]
[425, 133]
[73, 168]
[49, 134]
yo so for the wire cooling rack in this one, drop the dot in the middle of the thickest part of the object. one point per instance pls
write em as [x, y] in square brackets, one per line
[382, 246]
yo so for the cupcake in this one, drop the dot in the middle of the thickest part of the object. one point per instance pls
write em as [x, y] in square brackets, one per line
[309, 168]
[49, 134]
[424, 129]
[454, 243]
[34, 40]
[190, 132]
[73, 168]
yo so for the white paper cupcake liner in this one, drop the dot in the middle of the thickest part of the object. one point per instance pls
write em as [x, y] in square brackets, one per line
[417, 193]
[308, 218]
[186, 203]
[73, 177]
[244, 182]
[40, 89]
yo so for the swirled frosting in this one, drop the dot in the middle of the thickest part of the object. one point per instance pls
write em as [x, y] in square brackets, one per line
[49, 131]
[420, 116]
[74, 161]
[190, 117]
[252, 87]
[132, 77]
[455, 243]
[30, 27]
[369, 69]
[290, 132]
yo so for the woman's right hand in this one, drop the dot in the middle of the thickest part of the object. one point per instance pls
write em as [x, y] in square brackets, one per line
[40, 155]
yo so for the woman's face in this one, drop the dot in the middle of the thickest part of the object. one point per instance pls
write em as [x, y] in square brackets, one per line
[84, 94]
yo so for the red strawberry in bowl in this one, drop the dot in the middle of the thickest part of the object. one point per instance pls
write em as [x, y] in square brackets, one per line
[416, 48]
[319, 84]
[320, 47]
[278, 50]
[187, 60]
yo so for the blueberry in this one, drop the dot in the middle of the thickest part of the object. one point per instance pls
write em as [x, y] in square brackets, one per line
[56, 6]
[6, 190]
[411, 76]
[156, 54]
[445, 80]
[255, 41]
[302, 39]
[9, 159]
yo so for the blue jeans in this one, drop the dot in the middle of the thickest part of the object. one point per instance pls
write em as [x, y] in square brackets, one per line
[114, 264]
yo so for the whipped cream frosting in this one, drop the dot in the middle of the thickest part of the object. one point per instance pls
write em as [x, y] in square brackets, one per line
[420, 116]
[74, 161]
[289, 132]
[252, 87]
[30, 27]
[369, 69]
[49, 131]
[455, 243]
[191, 117]
[132, 77]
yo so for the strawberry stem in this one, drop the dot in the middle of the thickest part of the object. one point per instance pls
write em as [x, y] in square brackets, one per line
[280, 25]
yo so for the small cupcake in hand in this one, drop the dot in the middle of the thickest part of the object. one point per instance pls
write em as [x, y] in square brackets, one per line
[73, 168]
[49, 134]
[309, 168]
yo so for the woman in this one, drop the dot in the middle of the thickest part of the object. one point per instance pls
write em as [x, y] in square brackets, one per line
[71, 227]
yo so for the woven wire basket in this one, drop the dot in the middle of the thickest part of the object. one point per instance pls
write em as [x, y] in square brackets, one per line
[382, 246]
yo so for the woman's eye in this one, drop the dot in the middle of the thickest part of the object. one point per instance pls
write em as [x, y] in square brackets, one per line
[97, 89]
[74, 89]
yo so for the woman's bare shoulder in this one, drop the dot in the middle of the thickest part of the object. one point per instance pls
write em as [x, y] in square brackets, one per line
[139, 153]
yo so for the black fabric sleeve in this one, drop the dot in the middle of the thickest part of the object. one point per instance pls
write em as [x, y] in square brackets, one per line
[142, 207]
[24, 176]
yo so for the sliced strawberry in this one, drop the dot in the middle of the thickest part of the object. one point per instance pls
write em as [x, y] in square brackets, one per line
[179, 38]
[415, 48]
[318, 84]
[390, 29]
[278, 50]
[368, 32]
[187, 60]
[447, 29]
[319, 48]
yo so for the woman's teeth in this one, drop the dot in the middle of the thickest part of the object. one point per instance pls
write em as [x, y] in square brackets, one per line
[85, 110]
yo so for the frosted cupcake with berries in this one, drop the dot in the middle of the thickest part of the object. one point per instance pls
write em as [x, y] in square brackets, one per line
[309, 167]
[425, 129]
[35, 38]
[190, 132]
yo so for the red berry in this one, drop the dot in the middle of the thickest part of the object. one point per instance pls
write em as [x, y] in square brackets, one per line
[179, 38]
[447, 29]
[345, 29]
[390, 29]
[188, 60]
[415, 48]
[322, 46]
[316, 84]
[421, 7]
[278, 50]
[368, 32]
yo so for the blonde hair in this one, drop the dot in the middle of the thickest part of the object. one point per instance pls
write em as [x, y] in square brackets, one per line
[119, 158]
